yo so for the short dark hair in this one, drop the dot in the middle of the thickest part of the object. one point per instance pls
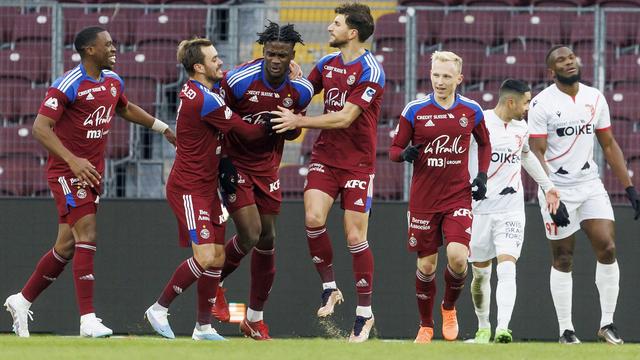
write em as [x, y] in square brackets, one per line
[190, 53]
[547, 59]
[357, 16]
[512, 86]
[86, 37]
[275, 32]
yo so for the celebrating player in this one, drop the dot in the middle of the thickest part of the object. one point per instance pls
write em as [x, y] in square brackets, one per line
[498, 220]
[343, 157]
[192, 186]
[439, 127]
[72, 124]
[253, 90]
[563, 121]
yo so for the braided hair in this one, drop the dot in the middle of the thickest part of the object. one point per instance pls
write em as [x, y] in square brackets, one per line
[275, 32]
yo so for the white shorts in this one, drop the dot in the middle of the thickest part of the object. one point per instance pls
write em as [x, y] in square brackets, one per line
[585, 201]
[496, 234]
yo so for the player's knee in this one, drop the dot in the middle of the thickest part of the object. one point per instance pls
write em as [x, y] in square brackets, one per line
[458, 264]
[66, 250]
[218, 258]
[563, 262]
[249, 237]
[267, 240]
[355, 237]
[88, 235]
[313, 219]
[607, 254]
[206, 259]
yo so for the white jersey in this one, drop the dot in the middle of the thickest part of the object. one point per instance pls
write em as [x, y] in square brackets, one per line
[569, 124]
[504, 178]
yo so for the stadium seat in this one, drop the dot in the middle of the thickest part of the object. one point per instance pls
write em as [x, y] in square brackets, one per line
[7, 16]
[310, 136]
[389, 32]
[542, 27]
[621, 28]
[11, 90]
[24, 63]
[470, 26]
[15, 140]
[384, 139]
[119, 141]
[32, 26]
[503, 3]
[389, 181]
[152, 62]
[515, 64]
[28, 103]
[626, 68]
[560, 3]
[428, 2]
[71, 59]
[623, 105]
[142, 92]
[292, 179]
[473, 58]
[164, 27]
[618, 3]
[580, 28]
[117, 22]
[392, 105]
[486, 99]
[393, 63]
[22, 176]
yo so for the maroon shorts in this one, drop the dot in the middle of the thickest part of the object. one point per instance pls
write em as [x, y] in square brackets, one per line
[263, 191]
[200, 219]
[73, 199]
[355, 188]
[426, 230]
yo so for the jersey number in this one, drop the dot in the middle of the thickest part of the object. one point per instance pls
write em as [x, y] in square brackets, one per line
[552, 228]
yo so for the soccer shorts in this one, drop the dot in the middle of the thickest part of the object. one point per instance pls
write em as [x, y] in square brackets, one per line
[355, 188]
[74, 199]
[496, 234]
[428, 231]
[584, 201]
[201, 219]
[263, 191]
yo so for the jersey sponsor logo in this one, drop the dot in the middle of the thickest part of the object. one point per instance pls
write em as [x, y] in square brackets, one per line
[316, 167]
[575, 130]
[429, 123]
[329, 75]
[287, 102]
[444, 145]
[334, 98]
[90, 97]
[260, 118]
[203, 215]
[435, 116]
[100, 116]
[419, 224]
[358, 202]
[189, 92]
[507, 157]
[514, 230]
[368, 94]
[254, 98]
[352, 184]
[274, 186]
[51, 103]
[94, 134]
[462, 212]
[92, 90]
[204, 233]
[333, 68]
[351, 79]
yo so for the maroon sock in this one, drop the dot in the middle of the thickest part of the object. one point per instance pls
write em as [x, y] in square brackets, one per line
[207, 286]
[454, 283]
[83, 276]
[263, 271]
[425, 292]
[48, 269]
[185, 275]
[232, 257]
[363, 271]
[321, 252]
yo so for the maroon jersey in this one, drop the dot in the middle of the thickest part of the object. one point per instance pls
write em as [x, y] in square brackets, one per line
[82, 108]
[202, 117]
[247, 92]
[440, 179]
[360, 82]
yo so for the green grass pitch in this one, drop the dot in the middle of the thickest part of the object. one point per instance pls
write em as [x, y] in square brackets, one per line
[58, 347]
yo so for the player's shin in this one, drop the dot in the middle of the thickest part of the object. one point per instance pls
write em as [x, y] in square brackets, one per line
[46, 272]
[185, 275]
[505, 292]
[263, 270]
[83, 276]
[607, 282]
[207, 287]
[233, 256]
[362, 258]
[561, 285]
[321, 253]
[481, 294]
[425, 293]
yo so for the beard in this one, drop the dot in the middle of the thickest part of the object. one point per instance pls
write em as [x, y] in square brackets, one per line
[338, 43]
[568, 80]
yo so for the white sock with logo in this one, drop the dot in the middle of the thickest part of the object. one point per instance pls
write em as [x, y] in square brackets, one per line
[561, 284]
[364, 311]
[607, 282]
[481, 294]
[505, 292]
[329, 285]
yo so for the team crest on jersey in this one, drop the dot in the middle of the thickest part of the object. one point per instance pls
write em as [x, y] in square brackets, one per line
[113, 91]
[519, 140]
[351, 79]
[204, 233]
[287, 102]
[464, 121]
[413, 241]
[81, 194]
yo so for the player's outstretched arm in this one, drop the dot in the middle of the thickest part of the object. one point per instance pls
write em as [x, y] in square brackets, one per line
[285, 119]
[81, 168]
[135, 114]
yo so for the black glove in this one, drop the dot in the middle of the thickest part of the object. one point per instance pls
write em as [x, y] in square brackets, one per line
[632, 194]
[561, 217]
[268, 124]
[480, 183]
[411, 153]
[228, 176]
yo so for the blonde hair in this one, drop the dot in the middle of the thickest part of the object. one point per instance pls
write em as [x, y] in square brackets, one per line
[190, 53]
[447, 56]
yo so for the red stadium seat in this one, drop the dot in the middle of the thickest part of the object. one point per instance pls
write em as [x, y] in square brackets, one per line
[15, 140]
[470, 26]
[117, 22]
[502, 3]
[623, 105]
[626, 68]
[392, 105]
[580, 28]
[33, 26]
[515, 64]
[385, 136]
[619, 3]
[389, 181]
[309, 139]
[11, 90]
[7, 16]
[389, 32]
[561, 3]
[22, 176]
[72, 59]
[28, 103]
[24, 63]
[151, 62]
[142, 92]
[428, 2]
[168, 27]
[119, 141]
[622, 29]
[393, 63]
[292, 180]
[544, 27]
[473, 58]
[486, 99]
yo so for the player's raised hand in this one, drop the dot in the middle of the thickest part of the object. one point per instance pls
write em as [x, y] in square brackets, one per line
[632, 194]
[228, 176]
[284, 120]
[170, 136]
[553, 200]
[561, 216]
[480, 183]
[411, 152]
[85, 171]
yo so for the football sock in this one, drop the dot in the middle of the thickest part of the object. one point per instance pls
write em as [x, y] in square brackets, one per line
[263, 271]
[362, 260]
[185, 275]
[505, 292]
[425, 293]
[207, 287]
[607, 282]
[232, 257]
[83, 276]
[48, 269]
[254, 315]
[454, 283]
[481, 294]
[561, 285]
[321, 252]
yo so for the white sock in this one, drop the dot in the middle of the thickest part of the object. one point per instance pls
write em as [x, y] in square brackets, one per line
[253, 315]
[481, 294]
[329, 285]
[23, 301]
[505, 292]
[561, 284]
[89, 316]
[607, 282]
[364, 311]
[203, 328]
[158, 307]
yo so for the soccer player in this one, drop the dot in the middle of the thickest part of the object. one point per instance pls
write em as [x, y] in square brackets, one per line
[343, 157]
[192, 186]
[72, 124]
[440, 126]
[563, 120]
[498, 220]
[252, 91]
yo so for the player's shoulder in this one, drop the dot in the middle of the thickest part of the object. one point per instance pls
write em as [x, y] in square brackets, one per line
[69, 80]
[112, 75]
[472, 104]
[371, 69]
[245, 73]
[590, 91]
[302, 85]
[327, 58]
[414, 106]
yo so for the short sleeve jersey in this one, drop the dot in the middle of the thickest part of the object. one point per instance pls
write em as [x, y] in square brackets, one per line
[504, 178]
[440, 179]
[360, 82]
[82, 109]
[202, 117]
[247, 92]
[569, 124]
